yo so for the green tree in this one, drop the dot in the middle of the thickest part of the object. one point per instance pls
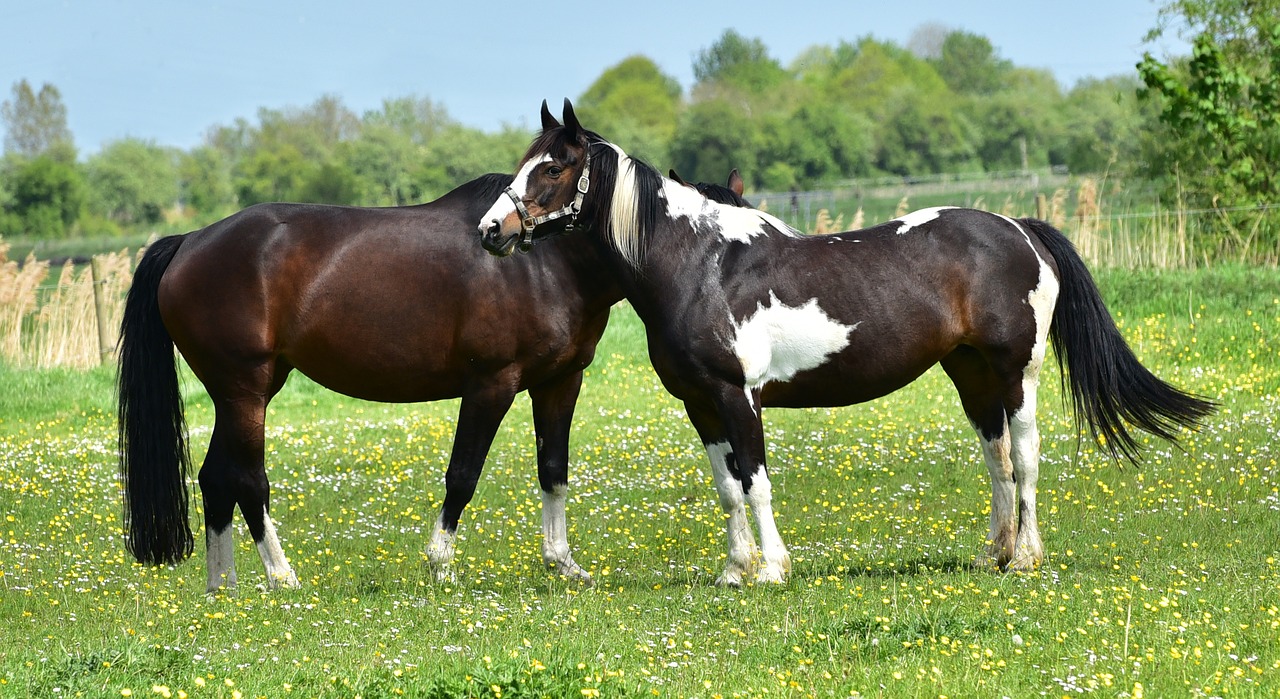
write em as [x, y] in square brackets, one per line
[1103, 125]
[329, 183]
[205, 179]
[740, 62]
[968, 63]
[633, 103]
[1221, 107]
[462, 153]
[36, 123]
[818, 143]
[132, 181]
[388, 156]
[1018, 125]
[47, 195]
[714, 138]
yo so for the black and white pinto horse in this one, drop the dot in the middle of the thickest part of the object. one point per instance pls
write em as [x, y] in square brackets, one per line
[742, 312]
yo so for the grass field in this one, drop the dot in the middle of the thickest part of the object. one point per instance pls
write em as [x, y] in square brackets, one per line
[1159, 581]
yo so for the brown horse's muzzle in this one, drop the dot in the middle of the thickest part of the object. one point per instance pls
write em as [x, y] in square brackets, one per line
[495, 241]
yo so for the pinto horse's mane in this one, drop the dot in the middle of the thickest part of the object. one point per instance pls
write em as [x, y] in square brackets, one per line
[625, 193]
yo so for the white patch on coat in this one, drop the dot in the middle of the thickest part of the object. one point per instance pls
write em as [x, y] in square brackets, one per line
[732, 222]
[504, 206]
[777, 341]
[917, 218]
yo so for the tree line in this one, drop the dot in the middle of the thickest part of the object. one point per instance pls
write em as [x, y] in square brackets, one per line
[1202, 127]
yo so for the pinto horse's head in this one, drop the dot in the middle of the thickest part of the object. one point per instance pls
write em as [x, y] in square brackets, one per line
[549, 188]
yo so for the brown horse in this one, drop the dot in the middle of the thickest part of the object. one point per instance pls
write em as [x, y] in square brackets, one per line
[742, 312]
[389, 304]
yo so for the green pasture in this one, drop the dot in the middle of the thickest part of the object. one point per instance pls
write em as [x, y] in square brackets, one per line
[1159, 581]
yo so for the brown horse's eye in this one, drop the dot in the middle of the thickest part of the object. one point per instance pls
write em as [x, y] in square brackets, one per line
[554, 171]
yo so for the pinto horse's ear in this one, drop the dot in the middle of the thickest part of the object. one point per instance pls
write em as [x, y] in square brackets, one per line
[571, 120]
[735, 182]
[676, 176]
[548, 122]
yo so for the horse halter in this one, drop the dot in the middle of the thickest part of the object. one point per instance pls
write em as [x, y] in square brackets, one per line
[528, 223]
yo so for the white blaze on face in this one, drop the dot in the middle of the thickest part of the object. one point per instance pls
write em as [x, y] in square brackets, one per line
[777, 341]
[504, 206]
[917, 218]
[733, 222]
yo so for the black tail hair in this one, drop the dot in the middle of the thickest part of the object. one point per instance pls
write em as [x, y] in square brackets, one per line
[1109, 387]
[153, 449]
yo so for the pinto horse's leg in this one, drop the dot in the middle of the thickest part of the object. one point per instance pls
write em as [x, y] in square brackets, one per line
[478, 419]
[743, 553]
[234, 473]
[1028, 549]
[741, 476]
[982, 395]
[553, 405]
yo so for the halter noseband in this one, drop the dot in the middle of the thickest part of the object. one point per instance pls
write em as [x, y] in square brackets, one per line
[528, 223]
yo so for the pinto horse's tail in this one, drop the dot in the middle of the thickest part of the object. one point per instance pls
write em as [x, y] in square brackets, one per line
[1109, 387]
[153, 448]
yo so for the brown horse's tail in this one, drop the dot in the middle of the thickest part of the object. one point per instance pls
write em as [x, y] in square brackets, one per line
[153, 448]
[1109, 387]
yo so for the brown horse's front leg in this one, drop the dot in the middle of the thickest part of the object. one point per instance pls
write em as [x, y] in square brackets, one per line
[553, 405]
[478, 419]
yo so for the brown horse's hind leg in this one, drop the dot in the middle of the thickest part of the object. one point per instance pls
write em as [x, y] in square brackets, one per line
[234, 473]
[982, 393]
[478, 419]
[553, 405]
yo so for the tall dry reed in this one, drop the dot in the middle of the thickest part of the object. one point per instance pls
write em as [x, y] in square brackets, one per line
[55, 325]
[19, 285]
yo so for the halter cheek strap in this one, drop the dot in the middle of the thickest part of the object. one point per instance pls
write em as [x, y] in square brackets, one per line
[528, 222]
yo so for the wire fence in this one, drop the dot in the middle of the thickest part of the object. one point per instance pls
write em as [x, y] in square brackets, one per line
[72, 319]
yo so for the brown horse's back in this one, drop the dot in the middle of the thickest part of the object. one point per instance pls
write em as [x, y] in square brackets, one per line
[395, 304]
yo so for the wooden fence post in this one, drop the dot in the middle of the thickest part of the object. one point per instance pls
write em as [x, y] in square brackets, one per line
[105, 349]
[1042, 207]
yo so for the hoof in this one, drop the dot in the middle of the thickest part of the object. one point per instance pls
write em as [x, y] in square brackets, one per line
[572, 571]
[772, 574]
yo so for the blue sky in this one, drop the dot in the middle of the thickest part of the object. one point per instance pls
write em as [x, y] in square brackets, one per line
[168, 70]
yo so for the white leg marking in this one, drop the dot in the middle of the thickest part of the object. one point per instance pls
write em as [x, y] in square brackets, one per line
[776, 562]
[555, 536]
[279, 574]
[742, 545]
[1004, 502]
[221, 560]
[440, 550]
[1028, 549]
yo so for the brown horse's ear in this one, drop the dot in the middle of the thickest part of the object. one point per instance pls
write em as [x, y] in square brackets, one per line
[571, 120]
[735, 182]
[548, 122]
[676, 176]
